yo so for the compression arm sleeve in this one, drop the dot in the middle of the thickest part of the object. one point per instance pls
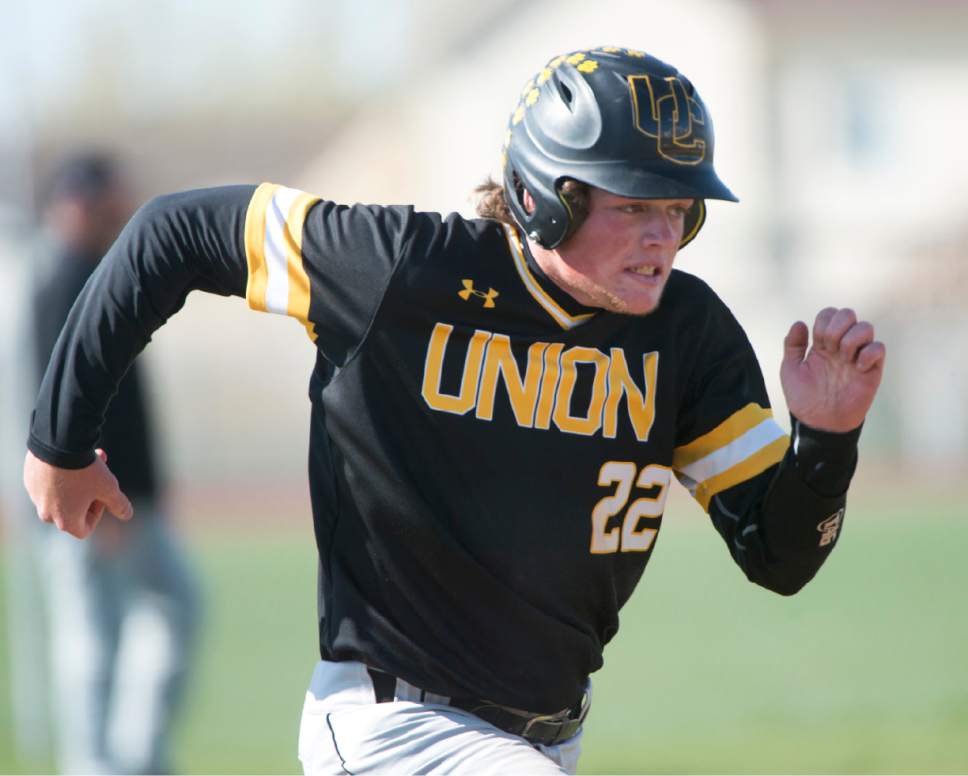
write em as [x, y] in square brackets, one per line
[782, 525]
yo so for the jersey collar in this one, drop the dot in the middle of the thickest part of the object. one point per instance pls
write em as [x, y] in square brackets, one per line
[566, 312]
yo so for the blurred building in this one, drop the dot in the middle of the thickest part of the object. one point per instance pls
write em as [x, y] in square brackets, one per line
[869, 200]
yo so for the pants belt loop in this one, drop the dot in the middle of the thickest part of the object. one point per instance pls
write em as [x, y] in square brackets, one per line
[384, 686]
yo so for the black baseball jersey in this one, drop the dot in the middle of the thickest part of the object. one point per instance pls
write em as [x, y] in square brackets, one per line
[489, 461]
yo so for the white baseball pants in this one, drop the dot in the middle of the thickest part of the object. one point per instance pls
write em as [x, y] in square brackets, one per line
[345, 731]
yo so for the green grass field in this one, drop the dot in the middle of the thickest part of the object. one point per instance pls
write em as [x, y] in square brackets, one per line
[866, 670]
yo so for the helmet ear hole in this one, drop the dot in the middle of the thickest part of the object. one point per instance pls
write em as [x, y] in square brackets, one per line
[518, 190]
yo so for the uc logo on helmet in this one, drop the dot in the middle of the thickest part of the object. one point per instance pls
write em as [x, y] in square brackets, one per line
[663, 110]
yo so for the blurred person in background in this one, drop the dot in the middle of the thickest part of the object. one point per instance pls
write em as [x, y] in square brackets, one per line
[25, 637]
[122, 607]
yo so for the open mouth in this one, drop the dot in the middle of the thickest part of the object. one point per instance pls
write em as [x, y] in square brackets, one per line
[647, 271]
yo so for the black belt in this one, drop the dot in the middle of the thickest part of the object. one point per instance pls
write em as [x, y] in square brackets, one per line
[547, 729]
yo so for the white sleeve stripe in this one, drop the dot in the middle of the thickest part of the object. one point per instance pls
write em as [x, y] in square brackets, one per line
[734, 453]
[277, 269]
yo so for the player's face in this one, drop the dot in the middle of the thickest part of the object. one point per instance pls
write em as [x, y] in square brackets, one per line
[620, 258]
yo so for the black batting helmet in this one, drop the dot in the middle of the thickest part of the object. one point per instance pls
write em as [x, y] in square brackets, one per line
[616, 119]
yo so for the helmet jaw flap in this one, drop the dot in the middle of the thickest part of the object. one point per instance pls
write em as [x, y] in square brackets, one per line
[613, 119]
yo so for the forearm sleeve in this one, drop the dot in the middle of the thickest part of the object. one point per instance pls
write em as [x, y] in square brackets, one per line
[803, 511]
[172, 246]
[782, 525]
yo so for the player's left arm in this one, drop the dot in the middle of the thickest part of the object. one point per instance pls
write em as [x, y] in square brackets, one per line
[829, 387]
[779, 502]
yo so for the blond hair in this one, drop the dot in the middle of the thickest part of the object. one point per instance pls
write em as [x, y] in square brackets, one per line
[492, 202]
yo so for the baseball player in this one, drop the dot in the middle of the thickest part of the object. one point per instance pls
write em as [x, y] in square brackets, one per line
[499, 406]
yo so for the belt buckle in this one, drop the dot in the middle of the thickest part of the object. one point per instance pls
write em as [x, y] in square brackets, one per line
[560, 718]
[557, 718]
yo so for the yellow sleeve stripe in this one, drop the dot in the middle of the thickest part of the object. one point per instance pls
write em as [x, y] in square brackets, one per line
[299, 290]
[255, 237]
[731, 455]
[278, 282]
[730, 429]
[755, 464]
[745, 444]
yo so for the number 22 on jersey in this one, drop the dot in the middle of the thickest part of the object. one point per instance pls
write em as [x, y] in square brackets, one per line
[630, 537]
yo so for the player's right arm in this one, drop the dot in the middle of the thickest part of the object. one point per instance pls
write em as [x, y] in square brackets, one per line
[171, 246]
[284, 250]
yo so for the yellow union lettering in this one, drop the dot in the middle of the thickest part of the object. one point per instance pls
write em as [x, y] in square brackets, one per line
[465, 400]
[523, 393]
[546, 390]
[592, 421]
[641, 409]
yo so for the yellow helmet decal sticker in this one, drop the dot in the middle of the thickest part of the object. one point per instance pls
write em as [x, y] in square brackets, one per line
[531, 93]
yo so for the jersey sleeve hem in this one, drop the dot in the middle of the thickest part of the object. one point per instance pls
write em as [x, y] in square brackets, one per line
[60, 458]
[277, 278]
[255, 231]
[744, 445]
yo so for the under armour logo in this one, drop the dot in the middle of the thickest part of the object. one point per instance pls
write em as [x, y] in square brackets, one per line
[829, 528]
[470, 291]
